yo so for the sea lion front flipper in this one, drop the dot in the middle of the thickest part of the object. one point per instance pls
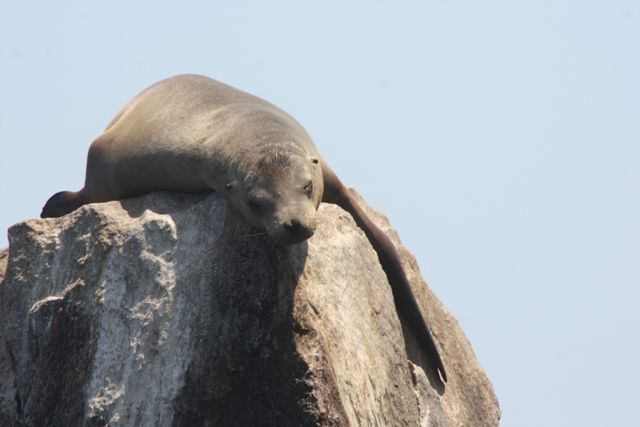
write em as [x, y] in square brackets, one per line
[337, 193]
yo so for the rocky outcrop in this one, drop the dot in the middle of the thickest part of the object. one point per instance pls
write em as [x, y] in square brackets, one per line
[168, 309]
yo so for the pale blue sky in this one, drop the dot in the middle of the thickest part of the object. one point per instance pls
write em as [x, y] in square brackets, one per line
[501, 138]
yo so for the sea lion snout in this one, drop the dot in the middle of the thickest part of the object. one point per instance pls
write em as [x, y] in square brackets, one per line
[298, 231]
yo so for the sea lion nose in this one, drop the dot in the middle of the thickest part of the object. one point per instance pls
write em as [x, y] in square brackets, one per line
[298, 230]
[293, 226]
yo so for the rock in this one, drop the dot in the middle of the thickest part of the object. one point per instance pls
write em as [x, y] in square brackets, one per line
[4, 259]
[168, 309]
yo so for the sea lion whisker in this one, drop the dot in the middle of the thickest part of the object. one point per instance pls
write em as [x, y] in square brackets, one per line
[261, 233]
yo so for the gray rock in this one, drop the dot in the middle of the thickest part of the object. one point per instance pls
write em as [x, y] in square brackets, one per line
[168, 309]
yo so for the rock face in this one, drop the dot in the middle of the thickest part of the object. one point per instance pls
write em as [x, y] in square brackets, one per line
[169, 310]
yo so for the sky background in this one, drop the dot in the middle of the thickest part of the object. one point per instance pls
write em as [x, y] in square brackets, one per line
[501, 138]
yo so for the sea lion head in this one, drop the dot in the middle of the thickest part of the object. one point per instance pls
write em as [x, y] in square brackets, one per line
[281, 194]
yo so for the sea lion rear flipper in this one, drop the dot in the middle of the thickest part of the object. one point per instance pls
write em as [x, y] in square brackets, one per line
[62, 203]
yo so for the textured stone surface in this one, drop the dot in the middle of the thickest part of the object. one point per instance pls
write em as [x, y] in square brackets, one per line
[168, 310]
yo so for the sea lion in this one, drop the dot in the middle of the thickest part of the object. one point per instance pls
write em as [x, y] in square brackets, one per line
[191, 133]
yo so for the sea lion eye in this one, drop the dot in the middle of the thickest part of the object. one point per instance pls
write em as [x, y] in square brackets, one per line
[255, 205]
[314, 161]
[308, 188]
